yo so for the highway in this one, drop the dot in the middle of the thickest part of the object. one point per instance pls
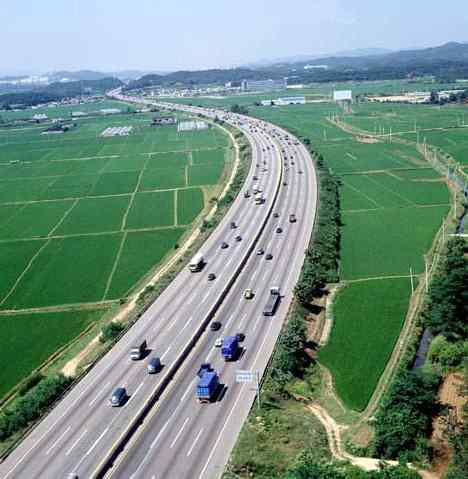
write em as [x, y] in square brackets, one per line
[82, 428]
[184, 439]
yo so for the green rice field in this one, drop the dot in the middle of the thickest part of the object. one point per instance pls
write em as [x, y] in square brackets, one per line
[84, 218]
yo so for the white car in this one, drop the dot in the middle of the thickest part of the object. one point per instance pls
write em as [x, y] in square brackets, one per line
[218, 342]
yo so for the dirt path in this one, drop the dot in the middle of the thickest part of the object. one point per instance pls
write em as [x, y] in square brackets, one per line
[334, 430]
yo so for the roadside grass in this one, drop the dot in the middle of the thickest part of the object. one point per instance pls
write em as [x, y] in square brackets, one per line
[69, 270]
[151, 210]
[189, 205]
[271, 439]
[28, 340]
[93, 215]
[368, 317]
[141, 251]
[387, 242]
[34, 220]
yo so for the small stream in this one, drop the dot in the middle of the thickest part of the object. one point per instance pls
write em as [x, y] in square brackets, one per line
[423, 347]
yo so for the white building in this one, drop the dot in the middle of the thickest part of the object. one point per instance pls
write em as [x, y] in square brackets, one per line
[259, 85]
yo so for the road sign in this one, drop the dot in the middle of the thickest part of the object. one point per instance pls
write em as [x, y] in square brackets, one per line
[245, 376]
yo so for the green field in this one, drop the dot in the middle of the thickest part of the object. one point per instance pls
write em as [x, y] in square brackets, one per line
[392, 205]
[368, 318]
[83, 218]
[36, 336]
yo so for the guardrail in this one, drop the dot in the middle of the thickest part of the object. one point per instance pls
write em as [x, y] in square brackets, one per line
[108, 462]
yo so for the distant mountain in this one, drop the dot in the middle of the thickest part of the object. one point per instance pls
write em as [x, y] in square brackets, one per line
[79, 75]
[306, 58]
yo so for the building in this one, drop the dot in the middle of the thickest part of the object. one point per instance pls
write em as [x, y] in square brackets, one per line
[291, 100]
[110, 111]
[164, 120]
[40, 117]
[261, 85]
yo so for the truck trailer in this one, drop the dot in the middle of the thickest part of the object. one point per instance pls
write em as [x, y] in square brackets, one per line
[230, 348]
[272, 302]
[207, 387]
[196, 263]
[138, 351]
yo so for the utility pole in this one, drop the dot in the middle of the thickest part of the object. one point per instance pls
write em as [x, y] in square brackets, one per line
[412, 283]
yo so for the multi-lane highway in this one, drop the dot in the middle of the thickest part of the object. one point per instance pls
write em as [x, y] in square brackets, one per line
[181, 438]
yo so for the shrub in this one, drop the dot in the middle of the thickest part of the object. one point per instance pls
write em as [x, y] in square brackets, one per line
[111, 331]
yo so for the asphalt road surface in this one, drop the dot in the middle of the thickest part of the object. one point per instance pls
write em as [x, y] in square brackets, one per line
[81, 430]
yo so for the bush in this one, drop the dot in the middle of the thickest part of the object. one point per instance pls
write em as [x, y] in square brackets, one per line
[31, 381]
[111, 331]
[32, 405]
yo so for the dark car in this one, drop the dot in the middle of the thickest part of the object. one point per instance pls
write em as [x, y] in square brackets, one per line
[275, 215]
[285, 183]
[238, 238]
[211, 277]
[255, 178]
[233, 225]
[269, 256]
[215, 326]
[118, 397]
[224, 245]
[300, 172]
[154, 365]
[279, 229]
[240, 337]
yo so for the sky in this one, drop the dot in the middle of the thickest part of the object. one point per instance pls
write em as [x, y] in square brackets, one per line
[114, 35]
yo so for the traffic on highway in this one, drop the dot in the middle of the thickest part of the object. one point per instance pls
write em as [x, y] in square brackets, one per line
[164, 402]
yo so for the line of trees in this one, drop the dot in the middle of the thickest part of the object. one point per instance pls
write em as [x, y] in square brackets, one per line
[404, 421]
[32, 405]
[322, 257]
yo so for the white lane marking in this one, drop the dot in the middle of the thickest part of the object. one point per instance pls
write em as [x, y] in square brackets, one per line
[96, 441]
[229, 321]
[76, 442]
[173, 323]
[136, 391]
[165, 352]
[206, 296]
[192, 384]
[194, 442]
[58, 440]
[156, 439]
[233, 408]
[242, 320]
[56, 421]
[256, 323]
[208, 357]
[179, 433]
[99, 393]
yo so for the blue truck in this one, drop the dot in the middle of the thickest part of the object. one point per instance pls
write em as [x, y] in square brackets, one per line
[207, 386]
[230, 348]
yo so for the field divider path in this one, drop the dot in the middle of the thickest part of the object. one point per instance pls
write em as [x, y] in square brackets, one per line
[114, 266]
[138, 420]
[63, 218]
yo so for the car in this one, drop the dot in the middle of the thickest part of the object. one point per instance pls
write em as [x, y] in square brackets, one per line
[260, 251]
[292, 162]
[154, 365]
[255, 178]
[246, 194]
[240, 337]
[275, 215]
[269, 256]
[215, 326]
[224, 245]
[279, 229]
[265, 169]
[300, 172]
[248, 293]
[285, 183]
[233, 225]
[72, 475]
[292, 218]
[211, 277]
[218, 343]
[118, 397]
[238, 238]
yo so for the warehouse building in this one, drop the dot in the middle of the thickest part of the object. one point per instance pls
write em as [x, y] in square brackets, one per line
[261, 85]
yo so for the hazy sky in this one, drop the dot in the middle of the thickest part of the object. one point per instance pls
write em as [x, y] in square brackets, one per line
[44, 35]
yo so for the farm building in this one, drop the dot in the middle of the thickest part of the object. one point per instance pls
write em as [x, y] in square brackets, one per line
[164, 120]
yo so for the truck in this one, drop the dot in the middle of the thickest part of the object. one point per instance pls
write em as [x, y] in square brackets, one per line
[230, 348]
[138, 350]
[196, 263]
[207, 387]
[259, 199]
[204, 368]
[272, 303]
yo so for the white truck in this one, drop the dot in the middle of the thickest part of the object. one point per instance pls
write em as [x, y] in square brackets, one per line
[196, 263]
